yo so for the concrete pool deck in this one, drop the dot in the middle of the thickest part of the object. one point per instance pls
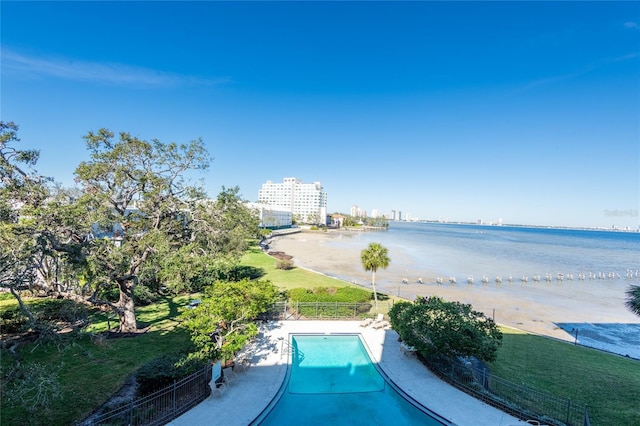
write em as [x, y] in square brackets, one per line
[249, 393]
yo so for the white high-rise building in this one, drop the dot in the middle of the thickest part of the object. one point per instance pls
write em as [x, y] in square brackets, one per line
[307, 202]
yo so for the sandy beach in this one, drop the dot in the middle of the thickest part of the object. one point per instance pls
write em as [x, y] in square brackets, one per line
[547, 309]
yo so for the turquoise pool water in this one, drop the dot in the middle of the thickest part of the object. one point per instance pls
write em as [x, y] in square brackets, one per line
[332, 381]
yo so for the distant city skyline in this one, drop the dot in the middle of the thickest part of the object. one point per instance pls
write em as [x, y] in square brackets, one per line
[525, 111]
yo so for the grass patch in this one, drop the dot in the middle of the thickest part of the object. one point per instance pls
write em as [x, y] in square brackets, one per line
[303, 278]
[95, 369]
[609, 384]
[288, 279]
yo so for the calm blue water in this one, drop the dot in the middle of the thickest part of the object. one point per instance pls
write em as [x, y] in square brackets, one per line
[332, 381]
[425, 249]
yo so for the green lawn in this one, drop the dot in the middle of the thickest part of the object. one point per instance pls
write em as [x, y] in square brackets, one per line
[287, 279]
[608, 384]
[299, 277]
[90, 371]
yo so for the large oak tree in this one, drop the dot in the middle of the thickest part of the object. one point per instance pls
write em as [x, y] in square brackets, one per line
[22, 193]
[137, 218]
[148, 216]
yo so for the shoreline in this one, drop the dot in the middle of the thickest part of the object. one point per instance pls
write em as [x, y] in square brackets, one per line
[544, 309]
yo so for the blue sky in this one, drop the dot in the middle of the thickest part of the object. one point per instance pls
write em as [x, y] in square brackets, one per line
[529, 112]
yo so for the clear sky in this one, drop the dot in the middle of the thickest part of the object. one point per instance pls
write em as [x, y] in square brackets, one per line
[525, 111]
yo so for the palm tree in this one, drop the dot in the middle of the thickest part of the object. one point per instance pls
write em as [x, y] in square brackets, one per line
[633, 299]
[373, 257]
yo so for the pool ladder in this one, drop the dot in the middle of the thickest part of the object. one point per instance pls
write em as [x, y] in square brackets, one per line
[287, 348]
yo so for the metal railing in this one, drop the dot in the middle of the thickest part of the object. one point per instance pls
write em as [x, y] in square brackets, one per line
[167, 404]
[288, 310]
[160, 407]
[520, 400]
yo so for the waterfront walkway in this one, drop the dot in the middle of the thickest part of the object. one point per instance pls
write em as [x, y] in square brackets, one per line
[251, 391]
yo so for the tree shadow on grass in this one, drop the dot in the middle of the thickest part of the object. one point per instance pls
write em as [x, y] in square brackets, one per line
[172, 314]
[241, 272]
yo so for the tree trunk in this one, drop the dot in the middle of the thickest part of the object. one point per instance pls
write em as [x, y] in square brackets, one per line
[23, 307]
[126, 307]
[375, 293]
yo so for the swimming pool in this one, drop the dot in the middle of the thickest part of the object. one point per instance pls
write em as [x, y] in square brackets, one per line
[331, 380]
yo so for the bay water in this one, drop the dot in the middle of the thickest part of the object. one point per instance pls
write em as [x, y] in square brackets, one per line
[462, 251]
[583, 298]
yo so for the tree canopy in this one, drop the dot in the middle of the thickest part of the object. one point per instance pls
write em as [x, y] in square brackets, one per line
[225, 320]
[21, 190]
[436, 327]
[136, 222]
[138, 200]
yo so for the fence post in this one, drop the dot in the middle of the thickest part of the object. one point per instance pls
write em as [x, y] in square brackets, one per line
[568, 410]
[484, 378]
[131, 412]
[587, 421]
[173, 397]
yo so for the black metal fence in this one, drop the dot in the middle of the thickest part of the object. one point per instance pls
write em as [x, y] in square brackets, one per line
[160, 407]
[520, 400]
[167, 404]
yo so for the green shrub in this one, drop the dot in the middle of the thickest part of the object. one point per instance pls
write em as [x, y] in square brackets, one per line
[12, 321]
[397, 315]
[284, 264]
[330, 294]
[452, 329]
[163, 371]
[59, 310]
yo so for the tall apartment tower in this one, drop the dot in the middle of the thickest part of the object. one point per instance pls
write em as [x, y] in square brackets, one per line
[307, 202]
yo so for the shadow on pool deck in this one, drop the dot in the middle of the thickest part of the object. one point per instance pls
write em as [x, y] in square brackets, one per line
[244, 399]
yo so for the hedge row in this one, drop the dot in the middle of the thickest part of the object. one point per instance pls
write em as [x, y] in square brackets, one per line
[330, 294]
